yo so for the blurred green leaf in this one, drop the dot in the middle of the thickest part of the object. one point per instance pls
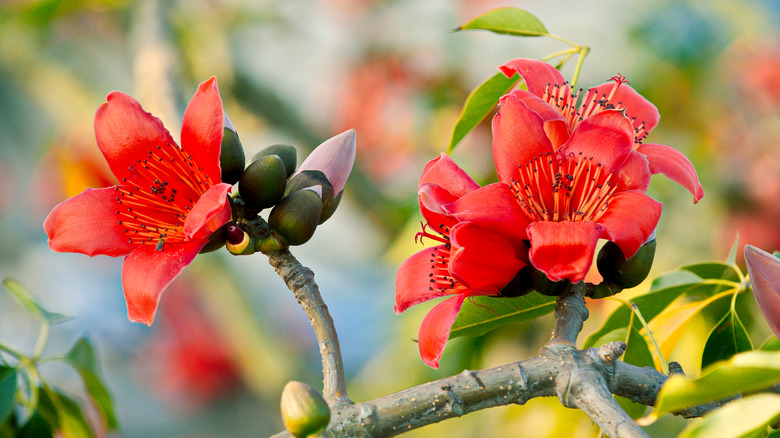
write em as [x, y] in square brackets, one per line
[743, 373]
[728, 338]
[479, 315]
[7, 392]
[479, 104]
[36, 427]
[508, 21]
[731, 259]
[82, 358]
[713, 271]
[63, 414]
[747, 417]
[23, 297]
[771, 344]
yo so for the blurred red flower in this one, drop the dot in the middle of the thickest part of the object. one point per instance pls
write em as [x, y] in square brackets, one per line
[168, 203]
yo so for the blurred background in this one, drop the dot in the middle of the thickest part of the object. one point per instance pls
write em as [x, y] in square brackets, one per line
[228, 333]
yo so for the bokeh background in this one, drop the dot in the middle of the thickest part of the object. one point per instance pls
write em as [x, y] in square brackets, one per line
[228, 333]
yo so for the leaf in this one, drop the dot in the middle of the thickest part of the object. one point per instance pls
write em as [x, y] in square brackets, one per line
[7, 392]
[728, 338]
[36, 427]
[713, 270]
[482, 314]
[82, 358]
[23, 297]
[731, 259]
[63, 414]
[508, 21]
[479, 104]
[771, 344]
[746, 417]
[743, 373]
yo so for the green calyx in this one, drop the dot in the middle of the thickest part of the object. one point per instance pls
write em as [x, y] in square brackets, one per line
[296, 216]
[310, 178]
[304, 410]
[231, 157]
[286, 152]
[520, 285]
[263, 182]
[545, 286]
[625, 274]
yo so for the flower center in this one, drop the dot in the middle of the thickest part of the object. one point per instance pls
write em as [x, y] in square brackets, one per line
[440, 277]
[570, 189]
[154, 201]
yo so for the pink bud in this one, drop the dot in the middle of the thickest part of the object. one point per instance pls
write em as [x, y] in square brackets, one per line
[334, 157]
[764, 270]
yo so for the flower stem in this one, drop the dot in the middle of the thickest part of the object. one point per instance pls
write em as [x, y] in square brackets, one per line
[300, 280]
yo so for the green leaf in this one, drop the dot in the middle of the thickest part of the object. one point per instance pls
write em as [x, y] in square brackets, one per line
[479, 104]
[747, 417]
[713, 270]
[508, 21]
[63, 413]
[23, 296]
[36, 427]
[728, 338]
[743, 373]
[482, 314]
[771, 344]
[731, 259]
[7, 392]
[82, 358]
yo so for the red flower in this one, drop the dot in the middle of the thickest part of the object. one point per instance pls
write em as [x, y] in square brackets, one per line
[565, 197]
[764, 271]
[469, 260]
[551, 98]
[169, 202]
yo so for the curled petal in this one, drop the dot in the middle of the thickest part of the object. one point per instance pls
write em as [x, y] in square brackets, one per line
[675, 165]
[518, 137]
[634, 174]
[607, 137]
[203, 127]
[563, 250]
[126, 133]
[537, 74]
[630, 219]
[433, 198]
[147, 271]
[643, 114]
[555, 124]
[435, 329]
[413, 280]
[87, 224]
[484, 260]
[208, 214]
[764, 271]
[443, 172]
[493, 207]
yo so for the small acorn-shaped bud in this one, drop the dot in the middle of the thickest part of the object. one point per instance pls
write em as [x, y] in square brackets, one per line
[284, 151]
[263, 182]
[518, 286]
[304, 411]
[217, 240]
[231, 153]
[237, 240]
[310, 178]
[295, 218]
[615, 269]
[545, 286]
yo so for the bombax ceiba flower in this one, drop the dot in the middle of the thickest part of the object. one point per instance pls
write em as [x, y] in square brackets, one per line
[168, 202]
[764, 271]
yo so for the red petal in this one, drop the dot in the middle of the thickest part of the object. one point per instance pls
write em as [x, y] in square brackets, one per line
[494, 207]
[563, 250]
[554, 124]
[638, 109]
[537, 74]
[202, 129]
[518, 136]
[673, 164]
[433, 198]
[764, 271]
[126, 133]
[87, 224]
[146, 272]
[435, 329]
[483, 260]
[413, 280]
[208, 214]
[607, 137]
[444, 172]
[630, 219]
[634, 174]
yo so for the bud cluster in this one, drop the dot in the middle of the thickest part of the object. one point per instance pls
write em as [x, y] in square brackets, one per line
[299, 200]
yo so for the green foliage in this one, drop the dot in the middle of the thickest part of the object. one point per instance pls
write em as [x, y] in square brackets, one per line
[479, 315]
[82, 358]
[748, 417]
[23, 296]
[508, 21]
[728, 338]
[7, 391]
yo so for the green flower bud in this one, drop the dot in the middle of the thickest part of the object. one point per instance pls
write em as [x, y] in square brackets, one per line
[545, 286]
[263, 182]
[217, 240]
[231, 154]
[284, 151]
[520, 285]
[614, 267]
[311, 178]
[304, 411]
[295, 218]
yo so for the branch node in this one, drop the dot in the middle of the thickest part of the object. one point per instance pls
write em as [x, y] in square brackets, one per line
[609, 353]
[675, 369]
[367, 417]
[474, 376]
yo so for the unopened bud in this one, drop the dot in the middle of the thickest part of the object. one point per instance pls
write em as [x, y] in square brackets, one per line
[295, 218]
[263, 182]
[311, 178]
[284, 151]
[625, 274]
[231, 153]
[304, 411]
[237, 240]
[764, 271]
